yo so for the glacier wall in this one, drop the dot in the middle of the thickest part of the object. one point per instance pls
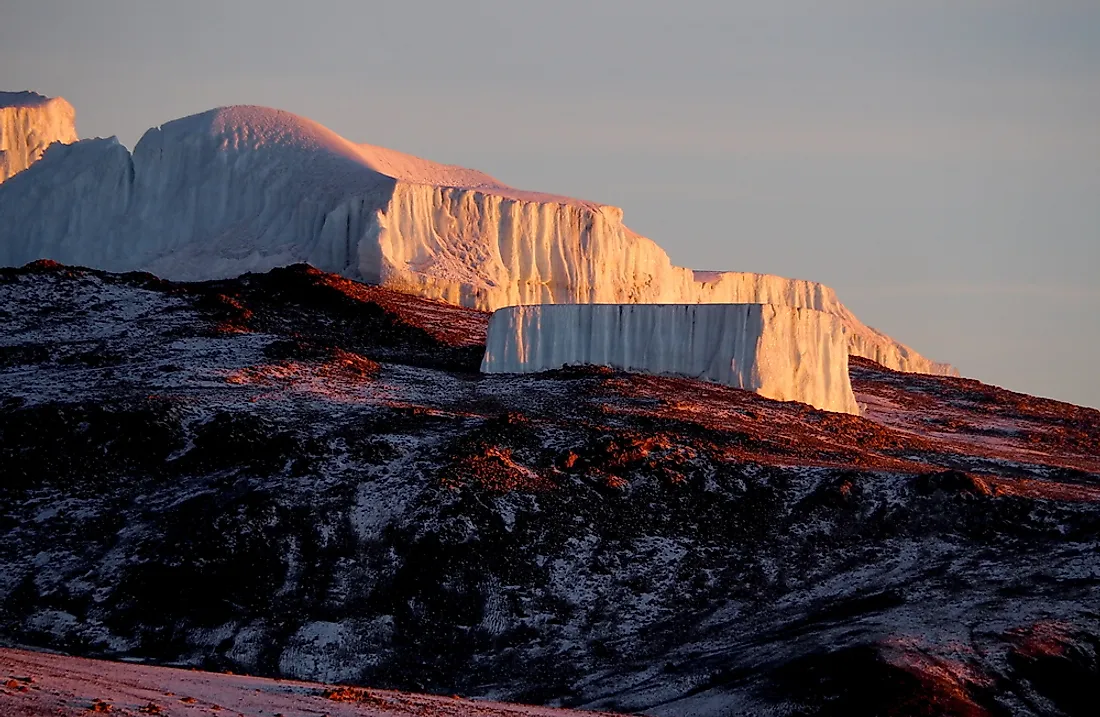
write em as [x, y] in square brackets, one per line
[242, 189]
[29, 123]
[784, 353]
[487, 251]
[70, 206]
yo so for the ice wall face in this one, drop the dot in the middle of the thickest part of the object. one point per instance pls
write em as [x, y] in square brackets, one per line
[72, 203]
[249, 188]
[29, 123]
[744, 287]
[486, 251]
[779, 352]
[208, 196]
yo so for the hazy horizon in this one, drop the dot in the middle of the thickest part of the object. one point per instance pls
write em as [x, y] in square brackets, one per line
[937, 163]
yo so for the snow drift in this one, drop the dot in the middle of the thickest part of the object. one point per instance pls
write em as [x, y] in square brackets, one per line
[779, 352]
[249, 188]
[29, 123]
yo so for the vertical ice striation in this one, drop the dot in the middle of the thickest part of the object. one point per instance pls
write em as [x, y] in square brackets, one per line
[240, 189]
[29, 123]
[780, 352]
[70, 206]
[487, 250]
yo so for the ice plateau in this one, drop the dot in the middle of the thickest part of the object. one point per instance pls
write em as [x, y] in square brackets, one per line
[29, 123]
[780, 352]
[244, 188]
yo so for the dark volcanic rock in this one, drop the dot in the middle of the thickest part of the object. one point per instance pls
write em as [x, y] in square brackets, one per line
[293, 474]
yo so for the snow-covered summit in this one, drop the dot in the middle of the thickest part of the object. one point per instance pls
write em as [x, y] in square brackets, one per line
[29, 123]
[25, 98]
[245, 188]
[319, 155]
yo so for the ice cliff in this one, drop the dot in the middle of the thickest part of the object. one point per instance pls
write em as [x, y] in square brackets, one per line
[29, 123]
[249, 188]
[785, 353]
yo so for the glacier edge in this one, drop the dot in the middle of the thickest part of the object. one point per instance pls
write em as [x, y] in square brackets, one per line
[243, 189]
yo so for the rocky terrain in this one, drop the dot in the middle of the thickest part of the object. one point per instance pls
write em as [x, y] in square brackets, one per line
[292, 474]
[37, 684]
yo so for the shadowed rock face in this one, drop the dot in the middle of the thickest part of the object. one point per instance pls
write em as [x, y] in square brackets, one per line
[294, 474]
[239, 189]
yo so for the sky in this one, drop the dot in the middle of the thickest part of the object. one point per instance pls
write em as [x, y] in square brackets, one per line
[937, 162]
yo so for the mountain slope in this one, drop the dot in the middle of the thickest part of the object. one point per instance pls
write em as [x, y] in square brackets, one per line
[51, 685]
[240, 189]
[294, 474]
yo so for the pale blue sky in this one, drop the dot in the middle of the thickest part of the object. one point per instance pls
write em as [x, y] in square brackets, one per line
[937, 162]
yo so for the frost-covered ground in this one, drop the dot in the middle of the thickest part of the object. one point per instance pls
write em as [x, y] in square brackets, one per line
[38, 684]
[295, 475]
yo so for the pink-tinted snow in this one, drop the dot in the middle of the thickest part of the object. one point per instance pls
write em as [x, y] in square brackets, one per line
[36, 684]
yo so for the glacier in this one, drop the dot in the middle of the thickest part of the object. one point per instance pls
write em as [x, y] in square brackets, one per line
[784, 353]
[29, 123]
[244, 188]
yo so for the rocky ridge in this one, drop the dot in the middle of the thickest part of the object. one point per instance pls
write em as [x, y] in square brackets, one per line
[293, 474]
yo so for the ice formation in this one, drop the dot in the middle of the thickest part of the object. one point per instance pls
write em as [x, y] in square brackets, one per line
[29, 123]
[785, 353]
[249, 188]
